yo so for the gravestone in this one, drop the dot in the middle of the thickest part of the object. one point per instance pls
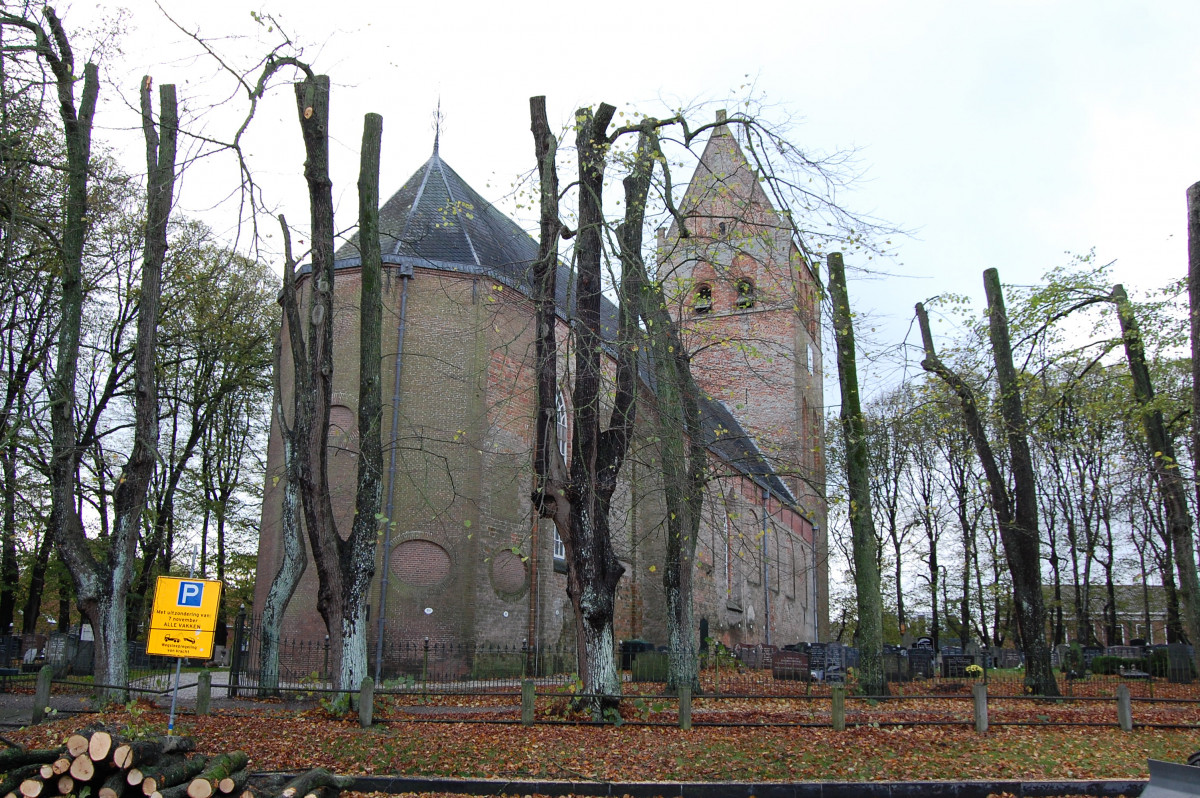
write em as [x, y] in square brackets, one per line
[1006, 658]
[790, 666]
[816, 659]
[895, 664]
[835, 663]
[1127, 652]
[1059, 655]
[1179, 663]
[920, 662]
[1090, 653]
[650, 666]
[954, 666]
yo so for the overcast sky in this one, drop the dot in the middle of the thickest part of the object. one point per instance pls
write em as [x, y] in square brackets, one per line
[1002, 134]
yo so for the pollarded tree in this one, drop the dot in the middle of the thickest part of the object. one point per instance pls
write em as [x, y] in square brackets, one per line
[578, 500]
[1015, 508]
[869, 635]
[101, 587]
[344, 565]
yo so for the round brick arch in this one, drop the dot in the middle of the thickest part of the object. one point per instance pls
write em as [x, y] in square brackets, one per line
[420, 563]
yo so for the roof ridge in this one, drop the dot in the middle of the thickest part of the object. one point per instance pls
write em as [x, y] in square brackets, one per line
[416, 203]
[466, 230]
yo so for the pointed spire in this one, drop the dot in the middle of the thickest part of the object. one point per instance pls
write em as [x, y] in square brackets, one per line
[437, 125]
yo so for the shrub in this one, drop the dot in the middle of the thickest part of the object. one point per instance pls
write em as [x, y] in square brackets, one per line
[1110, 666]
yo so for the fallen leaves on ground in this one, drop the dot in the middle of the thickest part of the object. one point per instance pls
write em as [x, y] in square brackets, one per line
[277, 739]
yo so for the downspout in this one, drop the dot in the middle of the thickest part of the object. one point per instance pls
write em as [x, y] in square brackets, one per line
[766, 564]
[405, 275]
[531, 633]
[816, 530]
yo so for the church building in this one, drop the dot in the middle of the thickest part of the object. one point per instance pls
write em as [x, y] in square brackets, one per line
[463, 560]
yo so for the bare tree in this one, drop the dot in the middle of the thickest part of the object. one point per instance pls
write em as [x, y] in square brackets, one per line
[858, 478]
[579, 500]
[1015, 509]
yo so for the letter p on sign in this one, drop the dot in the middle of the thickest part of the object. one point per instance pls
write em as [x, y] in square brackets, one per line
[190, 594]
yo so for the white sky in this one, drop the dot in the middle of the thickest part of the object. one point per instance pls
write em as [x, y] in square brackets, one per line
[1002, 134]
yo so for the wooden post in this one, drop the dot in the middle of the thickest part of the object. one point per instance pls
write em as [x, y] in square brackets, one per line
[366, 702]
[527, 698]
[203, 692]
[981, 712]
[839, 708]
[41, 699]
[685, 706]
[1124, 708]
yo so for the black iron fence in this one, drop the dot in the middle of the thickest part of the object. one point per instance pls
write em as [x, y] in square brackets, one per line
[432, 667]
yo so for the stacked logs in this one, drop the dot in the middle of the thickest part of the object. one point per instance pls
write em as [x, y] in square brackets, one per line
[96, 764]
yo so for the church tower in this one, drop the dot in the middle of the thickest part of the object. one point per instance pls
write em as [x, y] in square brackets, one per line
[749, 301]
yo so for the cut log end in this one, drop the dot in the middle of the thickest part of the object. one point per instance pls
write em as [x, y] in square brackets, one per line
[66, 785]
[200, 788]
[83, 768]
[134, 777]
[77, 744]
[123, 757]
[61, 765]
[100, 746]
[32, 788]
[46, 771]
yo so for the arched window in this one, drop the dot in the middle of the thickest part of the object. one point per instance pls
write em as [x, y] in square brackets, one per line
[703, 298]
[745, 293]
[562, 426]
[562, 430]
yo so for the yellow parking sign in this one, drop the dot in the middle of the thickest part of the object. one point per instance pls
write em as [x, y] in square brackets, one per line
[184, 619]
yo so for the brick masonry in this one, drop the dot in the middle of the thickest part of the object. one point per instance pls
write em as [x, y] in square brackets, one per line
[463, 543]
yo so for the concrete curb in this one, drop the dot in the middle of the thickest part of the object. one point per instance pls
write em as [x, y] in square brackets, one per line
[885, 789]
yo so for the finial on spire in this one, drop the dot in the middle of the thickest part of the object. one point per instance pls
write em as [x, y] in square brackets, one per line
[437, 125]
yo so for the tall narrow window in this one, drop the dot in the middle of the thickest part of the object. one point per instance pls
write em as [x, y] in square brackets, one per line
[745, 293]
[703, 298]
[562, 427]
[562, 430]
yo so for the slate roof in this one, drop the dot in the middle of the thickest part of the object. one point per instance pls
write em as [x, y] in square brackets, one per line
[437, 221]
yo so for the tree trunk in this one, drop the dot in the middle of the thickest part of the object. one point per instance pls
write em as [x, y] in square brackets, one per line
[294, 559]
[580, 503]
[1193, 225]
[358, 552]
[1166, 470]
[312, 416]
[9, 573]
[858, 479]
[37, 583]
[1019, 523]
[1016, 515]
[683, 455]
[69, 535]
